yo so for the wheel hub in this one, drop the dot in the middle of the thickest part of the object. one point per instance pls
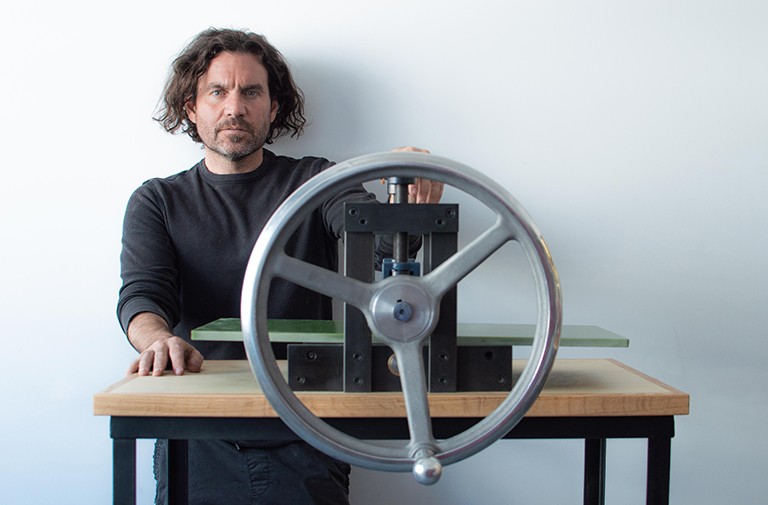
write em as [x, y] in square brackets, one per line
[402, 310]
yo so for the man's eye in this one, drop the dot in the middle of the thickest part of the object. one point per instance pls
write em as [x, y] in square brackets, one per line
[216, 92]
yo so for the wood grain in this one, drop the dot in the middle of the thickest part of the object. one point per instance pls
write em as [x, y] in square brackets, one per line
[576, 387]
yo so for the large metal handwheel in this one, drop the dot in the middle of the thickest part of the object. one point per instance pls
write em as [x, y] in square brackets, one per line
[422, 454]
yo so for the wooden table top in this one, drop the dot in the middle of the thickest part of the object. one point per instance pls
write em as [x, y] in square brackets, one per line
[575, 388]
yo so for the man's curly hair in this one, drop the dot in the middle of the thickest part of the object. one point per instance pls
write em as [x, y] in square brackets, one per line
[193, 62]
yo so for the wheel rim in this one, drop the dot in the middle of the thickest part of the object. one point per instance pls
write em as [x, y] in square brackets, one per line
[422, 454]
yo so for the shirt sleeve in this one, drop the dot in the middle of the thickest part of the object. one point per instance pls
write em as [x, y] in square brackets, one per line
[148, 264]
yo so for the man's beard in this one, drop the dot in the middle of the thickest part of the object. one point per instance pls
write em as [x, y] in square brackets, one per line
[238, 144]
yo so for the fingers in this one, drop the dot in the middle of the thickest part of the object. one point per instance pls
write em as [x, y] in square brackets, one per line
[425, 191]
[410, 149]
[184, 357]
[160, 360]
[148, 362]
[134, 368]
[154, 360]
[194, 361]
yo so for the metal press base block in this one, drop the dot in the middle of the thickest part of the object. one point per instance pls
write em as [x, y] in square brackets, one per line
[320, 367]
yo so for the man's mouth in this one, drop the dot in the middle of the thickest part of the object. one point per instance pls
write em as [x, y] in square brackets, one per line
[233, 127]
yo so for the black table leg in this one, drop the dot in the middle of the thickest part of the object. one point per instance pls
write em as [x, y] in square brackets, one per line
[659, 431]
[124, 471]
[659, 467]
[594, 471]
[178, 474]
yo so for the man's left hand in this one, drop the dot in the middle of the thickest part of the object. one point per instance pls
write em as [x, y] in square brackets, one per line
[423, 190]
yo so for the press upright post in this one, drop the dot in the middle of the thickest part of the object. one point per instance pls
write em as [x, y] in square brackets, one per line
[397, 188]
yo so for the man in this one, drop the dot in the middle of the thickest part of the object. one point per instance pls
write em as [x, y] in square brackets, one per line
[186, 242]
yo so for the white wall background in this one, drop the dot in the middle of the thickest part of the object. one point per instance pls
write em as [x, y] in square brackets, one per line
[634, 132]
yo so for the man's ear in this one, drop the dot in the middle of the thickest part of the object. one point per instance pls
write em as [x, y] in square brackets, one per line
[273, 111]
[189, 108]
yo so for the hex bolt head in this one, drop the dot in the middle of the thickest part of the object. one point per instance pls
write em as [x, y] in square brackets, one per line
[403, 311]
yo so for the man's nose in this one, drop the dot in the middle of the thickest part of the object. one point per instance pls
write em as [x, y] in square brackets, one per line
[235, 105]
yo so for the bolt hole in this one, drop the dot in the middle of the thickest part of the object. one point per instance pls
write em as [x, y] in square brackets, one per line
[357, 356]
[301, 380]
[357, 380]
[488, 355]
[442, 380]
[312, 355]
[363, 222]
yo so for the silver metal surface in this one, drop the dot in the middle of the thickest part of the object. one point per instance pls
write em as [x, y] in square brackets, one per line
[427, 469]
[377, 301]
[397, 187]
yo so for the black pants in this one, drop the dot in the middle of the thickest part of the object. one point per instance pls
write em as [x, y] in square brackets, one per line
[229, 473]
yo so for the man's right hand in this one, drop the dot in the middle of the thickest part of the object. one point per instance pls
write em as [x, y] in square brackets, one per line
[151, 336]
[155, 358]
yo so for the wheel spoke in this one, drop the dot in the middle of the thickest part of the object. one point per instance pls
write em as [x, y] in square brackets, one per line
[423, 455]
[458, 266]
[323, 281]
[410, 364]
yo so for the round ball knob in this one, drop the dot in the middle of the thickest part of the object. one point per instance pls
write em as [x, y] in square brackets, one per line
[427, 470]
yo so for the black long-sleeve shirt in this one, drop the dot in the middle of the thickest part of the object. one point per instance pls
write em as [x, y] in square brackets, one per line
[187, 239]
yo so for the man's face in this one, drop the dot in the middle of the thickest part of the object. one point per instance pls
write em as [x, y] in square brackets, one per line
[233, 109]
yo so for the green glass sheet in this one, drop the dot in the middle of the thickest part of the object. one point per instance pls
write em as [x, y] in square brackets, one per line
[311, 331]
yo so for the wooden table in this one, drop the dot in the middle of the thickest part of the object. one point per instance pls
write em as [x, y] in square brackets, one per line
[590, 399]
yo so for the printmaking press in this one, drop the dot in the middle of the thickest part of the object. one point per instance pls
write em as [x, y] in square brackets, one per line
[399, 325]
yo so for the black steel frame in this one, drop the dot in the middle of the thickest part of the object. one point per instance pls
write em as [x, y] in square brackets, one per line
[438, 225]
[658, 430]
